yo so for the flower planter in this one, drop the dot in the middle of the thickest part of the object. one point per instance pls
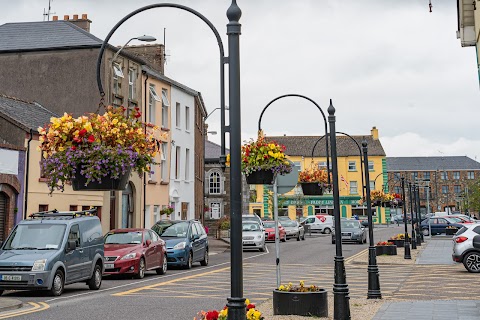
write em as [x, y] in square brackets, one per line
[312, 188]
[261, 177]
[376, 203]
[451, 231]
[300, 303]
[387, 204]
[398, 243]
[387, 250]
[107, 183]
[223, 234]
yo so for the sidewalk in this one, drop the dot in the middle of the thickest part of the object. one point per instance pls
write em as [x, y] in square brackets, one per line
[9, 304]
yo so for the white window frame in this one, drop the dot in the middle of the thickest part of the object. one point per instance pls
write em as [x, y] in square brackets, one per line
[178, 154]
[163, 162]
[187, 118]
[151, 105]
[352, 165]
[470, 175]
[456, 175]
[131, 83]
[178, 119]
[154, 93]
[371, 166]
[165, 106]
[214, 186]
[165, 98]
[117, 71]
[353, 187]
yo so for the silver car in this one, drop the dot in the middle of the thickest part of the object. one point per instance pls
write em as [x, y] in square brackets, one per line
[253, 236]
[293, 229]
[466, 247]
[352, 230]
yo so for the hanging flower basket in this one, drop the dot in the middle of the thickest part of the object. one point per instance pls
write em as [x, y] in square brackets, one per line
[97, 152]
[79, 182]
[262, 159]
[261, 177]
[312, 188]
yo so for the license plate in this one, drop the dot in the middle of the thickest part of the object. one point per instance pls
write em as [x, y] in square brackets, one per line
[248, 242]
[11, 278]
[109, 265]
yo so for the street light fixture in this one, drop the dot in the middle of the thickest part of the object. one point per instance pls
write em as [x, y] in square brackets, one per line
[218, 108]
[143, 38]
[411, 195]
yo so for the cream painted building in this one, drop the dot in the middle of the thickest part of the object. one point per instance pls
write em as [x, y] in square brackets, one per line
[299, 151]
[469, 26]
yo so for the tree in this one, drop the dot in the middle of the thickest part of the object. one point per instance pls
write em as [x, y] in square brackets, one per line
[472, 196]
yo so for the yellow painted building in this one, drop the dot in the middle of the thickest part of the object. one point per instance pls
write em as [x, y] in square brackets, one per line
[299, 151]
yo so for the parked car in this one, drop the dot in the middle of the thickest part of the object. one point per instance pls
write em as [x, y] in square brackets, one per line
[294, 229]
[400, 218]
[284, 218]
[320, 222]
[466, 247]
[438, 225]
[134, 251]
[52, 249]
[252, 217]
[352, 230]
[253, 236]
[270, 231]
[463, 217]
[186, 242]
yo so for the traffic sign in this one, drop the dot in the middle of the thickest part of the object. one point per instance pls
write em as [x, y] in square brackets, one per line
[288, 181]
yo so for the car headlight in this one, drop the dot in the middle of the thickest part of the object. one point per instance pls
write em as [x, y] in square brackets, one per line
[129, 256]
[259, 236]
[39, 265]
[180, 245]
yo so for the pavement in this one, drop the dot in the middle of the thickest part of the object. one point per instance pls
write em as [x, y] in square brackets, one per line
[9, 304]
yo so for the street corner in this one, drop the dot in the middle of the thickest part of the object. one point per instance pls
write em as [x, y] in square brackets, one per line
[10, 308]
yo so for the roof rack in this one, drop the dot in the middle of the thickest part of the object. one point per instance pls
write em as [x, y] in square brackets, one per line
[72, 214]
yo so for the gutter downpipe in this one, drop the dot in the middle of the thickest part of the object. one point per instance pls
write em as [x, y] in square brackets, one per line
[26, 175]
[144, 174]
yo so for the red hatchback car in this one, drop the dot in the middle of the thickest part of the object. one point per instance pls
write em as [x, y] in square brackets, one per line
[134, 251]
[270, 231]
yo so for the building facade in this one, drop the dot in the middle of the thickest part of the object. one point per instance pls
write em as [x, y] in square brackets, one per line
[217, 183]
[468, 30]
[443, 181]
[299, 150]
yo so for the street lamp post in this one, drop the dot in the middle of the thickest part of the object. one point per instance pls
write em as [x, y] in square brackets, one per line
[411, 200]
[406, 243]
[373, 279]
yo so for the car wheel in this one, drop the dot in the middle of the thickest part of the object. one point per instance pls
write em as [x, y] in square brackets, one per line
[163, 268]
[262, 249]
[365, 240]
[95, 281]
[204, 262]
[298, 236]
[327, 231]
[425, 232]
[141, 269]
[58, 284]
[189, 261]
[472, 262]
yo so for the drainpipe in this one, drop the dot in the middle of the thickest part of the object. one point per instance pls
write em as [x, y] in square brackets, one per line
[26, 175]
[144, 174]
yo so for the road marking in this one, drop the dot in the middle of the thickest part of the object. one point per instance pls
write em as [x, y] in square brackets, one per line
[168, 282]
[347, 261]
[36, 307]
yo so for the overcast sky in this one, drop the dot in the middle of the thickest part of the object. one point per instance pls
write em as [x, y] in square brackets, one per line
[384, 63]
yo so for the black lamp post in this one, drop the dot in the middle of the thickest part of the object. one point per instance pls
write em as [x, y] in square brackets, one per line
[412, 201]
[417, 206]
[373, 279]
[420, 234]
[406, 243]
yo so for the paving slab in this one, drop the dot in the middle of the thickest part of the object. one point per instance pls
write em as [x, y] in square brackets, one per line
[437, 252]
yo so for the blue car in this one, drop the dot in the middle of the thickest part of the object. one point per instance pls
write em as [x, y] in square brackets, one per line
[186, 242]
[439, 225]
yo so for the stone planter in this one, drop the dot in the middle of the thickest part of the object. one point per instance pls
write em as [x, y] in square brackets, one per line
[387, 250]
[107, 184]
[223, 234]
[261, 177]
[300, 303]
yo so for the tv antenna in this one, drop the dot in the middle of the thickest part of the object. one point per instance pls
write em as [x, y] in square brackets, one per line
[48, 13]
[165, 54]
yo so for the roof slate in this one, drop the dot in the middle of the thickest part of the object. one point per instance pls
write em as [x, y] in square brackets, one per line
[212, 150]
[303, 145]
[25, 114]
[44, 35]
[431, 163]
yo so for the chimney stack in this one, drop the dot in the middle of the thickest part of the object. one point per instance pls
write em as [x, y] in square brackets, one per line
[83, 23]
[374, 133]
[55, 18]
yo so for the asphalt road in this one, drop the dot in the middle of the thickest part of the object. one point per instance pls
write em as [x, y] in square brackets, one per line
[180, 294]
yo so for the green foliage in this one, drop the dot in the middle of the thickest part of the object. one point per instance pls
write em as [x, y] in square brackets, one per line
[223, 223]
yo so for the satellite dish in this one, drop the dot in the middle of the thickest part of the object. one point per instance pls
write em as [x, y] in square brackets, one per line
[288, 181]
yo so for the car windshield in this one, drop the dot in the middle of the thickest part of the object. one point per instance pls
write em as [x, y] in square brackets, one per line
[269, 224]
[453, 220]
[250, 227]
[176, 230]
[134, 237]
[249, 218]
[36, 236]
[289, 223]
[350, 224]
[160, 226]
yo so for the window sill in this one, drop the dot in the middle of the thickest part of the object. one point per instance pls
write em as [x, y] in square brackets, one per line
[42, 180]
[164, 129]
[152, 182]
[164, 183]
[187, 131]
[133, 101]
[116, 95]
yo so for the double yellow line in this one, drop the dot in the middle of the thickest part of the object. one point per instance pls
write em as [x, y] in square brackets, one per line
[36, 307]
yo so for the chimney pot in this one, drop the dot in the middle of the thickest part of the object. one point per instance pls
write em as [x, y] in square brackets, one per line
[75, 17]
[84, 16]
[66, 17]
[55, 18]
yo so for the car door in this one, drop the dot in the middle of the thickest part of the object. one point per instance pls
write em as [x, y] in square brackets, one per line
[149, 250]
[196, 245]
[203, 240]
[442, 225]
[311, 222]
[157, 255]
[76, 261]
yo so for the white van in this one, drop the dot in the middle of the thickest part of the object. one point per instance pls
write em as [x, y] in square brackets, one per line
[320, 222]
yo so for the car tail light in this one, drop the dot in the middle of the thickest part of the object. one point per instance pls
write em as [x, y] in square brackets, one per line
[461, 239]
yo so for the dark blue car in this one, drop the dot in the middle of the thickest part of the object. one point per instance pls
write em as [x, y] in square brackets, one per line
[438, 225]
[186, 242]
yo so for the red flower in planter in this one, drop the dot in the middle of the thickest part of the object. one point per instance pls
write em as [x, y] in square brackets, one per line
[91, 138]
[212, 315]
